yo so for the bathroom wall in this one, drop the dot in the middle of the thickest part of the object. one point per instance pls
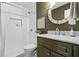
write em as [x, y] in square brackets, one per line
[32, 24]
[42, 8]
[58, 14]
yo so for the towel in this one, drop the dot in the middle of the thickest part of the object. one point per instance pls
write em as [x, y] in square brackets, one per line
[73, 13]
[74, 9]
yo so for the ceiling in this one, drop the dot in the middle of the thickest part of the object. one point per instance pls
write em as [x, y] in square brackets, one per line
[26, 4]
[58, 4]
[41, 7]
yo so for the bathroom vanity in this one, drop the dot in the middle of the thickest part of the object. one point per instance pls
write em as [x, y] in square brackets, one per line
[57, 46]
[63, 18]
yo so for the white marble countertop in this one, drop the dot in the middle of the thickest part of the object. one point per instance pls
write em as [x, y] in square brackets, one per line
[63, 38]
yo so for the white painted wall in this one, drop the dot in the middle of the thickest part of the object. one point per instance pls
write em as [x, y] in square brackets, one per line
[32, 25]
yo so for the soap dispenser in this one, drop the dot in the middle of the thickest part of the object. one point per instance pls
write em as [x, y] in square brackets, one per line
[57, 31]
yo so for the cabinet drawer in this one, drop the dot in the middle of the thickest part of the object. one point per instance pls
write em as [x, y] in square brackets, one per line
[62, 48]
[54, 54]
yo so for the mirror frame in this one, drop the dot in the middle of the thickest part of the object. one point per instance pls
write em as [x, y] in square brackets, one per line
[61, 21]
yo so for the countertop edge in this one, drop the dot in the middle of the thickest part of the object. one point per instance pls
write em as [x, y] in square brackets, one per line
[76, 42]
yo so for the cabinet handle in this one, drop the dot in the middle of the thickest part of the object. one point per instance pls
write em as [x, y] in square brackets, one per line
[48, 54]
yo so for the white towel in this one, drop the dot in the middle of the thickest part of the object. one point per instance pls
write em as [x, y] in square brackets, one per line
[74, 9]
[73, 13]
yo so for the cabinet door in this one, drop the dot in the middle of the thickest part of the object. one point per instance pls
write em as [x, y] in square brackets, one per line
[43, 51]
[76, 51]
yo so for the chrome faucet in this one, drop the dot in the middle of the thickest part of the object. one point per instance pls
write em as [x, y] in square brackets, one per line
[57, 31]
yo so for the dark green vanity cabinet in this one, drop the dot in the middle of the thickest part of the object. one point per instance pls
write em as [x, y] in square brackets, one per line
[53, 48]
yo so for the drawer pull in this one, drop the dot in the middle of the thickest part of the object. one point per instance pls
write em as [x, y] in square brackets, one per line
[61, 48]
[48, 54]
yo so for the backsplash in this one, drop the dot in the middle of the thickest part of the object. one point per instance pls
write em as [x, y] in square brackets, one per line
[76, 33]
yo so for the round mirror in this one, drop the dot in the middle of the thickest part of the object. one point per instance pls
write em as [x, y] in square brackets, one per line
[59, 12]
